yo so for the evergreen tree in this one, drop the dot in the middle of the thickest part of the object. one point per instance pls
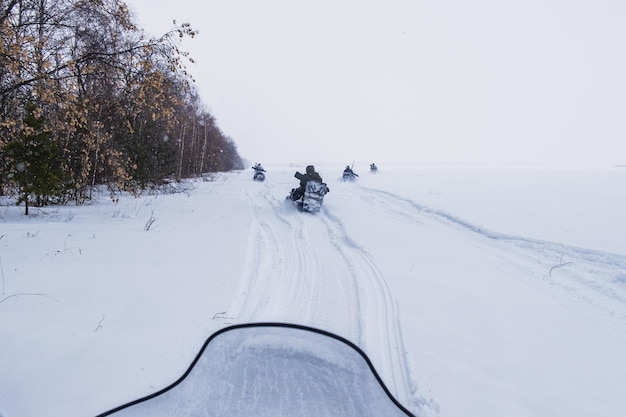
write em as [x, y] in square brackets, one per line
[36, 163]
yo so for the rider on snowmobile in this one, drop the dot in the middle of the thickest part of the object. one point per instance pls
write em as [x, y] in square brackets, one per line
[311, 175]
[348, 173]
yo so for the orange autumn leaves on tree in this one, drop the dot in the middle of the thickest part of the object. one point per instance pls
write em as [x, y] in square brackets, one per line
[121, 106]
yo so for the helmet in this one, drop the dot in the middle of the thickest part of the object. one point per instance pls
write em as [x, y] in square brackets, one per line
[310, 169]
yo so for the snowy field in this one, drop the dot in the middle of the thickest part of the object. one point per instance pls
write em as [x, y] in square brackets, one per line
[475, 291]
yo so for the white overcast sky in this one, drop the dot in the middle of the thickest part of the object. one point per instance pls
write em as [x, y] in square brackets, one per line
[434, 81]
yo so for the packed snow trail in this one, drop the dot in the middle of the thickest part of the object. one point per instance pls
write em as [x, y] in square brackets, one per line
[306, 269]
[313, 270]
[592, 277]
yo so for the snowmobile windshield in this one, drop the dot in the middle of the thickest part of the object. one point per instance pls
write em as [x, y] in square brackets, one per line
[272, 370]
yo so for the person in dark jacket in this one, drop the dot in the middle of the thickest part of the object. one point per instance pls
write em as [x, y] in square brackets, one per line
[311, 175]
[349, 174]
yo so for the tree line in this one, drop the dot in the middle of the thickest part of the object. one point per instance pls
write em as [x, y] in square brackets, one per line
[88, 99]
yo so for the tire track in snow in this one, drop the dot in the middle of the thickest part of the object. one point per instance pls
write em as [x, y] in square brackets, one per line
[573, 270]
[262, 261]
[329, 298]
[324, 298]
[381, 335]
[306, 269]
[290, 275]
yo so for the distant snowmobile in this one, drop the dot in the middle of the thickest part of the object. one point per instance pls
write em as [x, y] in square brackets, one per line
[259, 172]
[312, 198]
[373, 168]
[349, 174]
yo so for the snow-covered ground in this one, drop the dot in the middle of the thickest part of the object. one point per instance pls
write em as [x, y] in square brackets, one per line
[475, 291]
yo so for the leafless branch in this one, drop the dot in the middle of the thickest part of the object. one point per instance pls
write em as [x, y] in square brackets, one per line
[560, 265]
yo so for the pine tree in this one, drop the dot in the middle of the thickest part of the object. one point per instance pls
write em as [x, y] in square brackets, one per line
[36, 162]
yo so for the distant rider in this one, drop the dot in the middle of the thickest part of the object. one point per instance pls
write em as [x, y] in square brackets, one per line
[259, 172]
[348, 172]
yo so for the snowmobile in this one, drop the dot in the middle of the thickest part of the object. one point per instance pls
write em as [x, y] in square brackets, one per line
[259, 173]
[312, 198]
[373, 168]
[349, 174]
[272, 369]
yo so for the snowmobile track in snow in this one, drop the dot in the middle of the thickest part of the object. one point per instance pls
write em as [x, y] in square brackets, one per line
[563, 266]
[296, 281]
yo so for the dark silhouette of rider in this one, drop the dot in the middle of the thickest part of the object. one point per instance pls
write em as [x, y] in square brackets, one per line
[348, 172]
[311, 175]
